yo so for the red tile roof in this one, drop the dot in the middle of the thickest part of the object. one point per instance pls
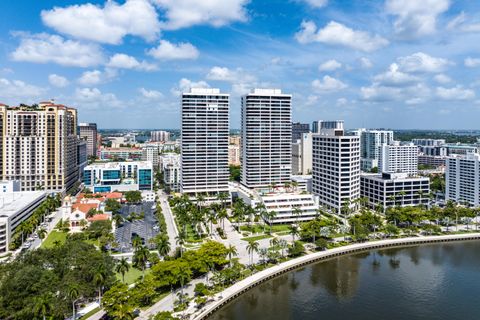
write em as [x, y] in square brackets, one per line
[99, 217]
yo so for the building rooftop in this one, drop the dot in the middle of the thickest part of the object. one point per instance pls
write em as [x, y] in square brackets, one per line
[11, 203]
[116, 165]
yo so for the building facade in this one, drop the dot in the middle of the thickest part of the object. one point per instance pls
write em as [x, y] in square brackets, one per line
[399, 158]
[82, 157]
[159, 136]
[336, 167]
[462, 179]
[370, 146]
[170, 167]
[88, 132]
[39, 146]
[394, 189]
[121, 154]
[266, 134]
[302, 155]
[298, 129]
[204, 142]
[150, 152]
[118, 176]
[233, 155]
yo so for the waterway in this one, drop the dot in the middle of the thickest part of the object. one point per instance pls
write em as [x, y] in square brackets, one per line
[436, 281]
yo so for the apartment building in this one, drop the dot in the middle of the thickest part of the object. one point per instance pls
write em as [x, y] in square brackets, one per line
[370, 146]
[462, 179]
[302, 155]
[396, 157]
[88, 132]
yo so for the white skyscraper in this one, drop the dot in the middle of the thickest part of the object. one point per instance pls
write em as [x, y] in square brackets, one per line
[266, 138]
[398, 158]
[302, 155]
[462, 178]
[336, 166]
[204, 148]
[370, 144]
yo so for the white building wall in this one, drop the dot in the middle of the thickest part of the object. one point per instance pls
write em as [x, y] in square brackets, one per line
[399, 158]
[462, 179]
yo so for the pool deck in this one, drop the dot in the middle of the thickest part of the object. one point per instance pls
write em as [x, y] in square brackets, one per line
[221, 298]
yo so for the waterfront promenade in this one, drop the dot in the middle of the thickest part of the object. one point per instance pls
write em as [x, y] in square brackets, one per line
[244, 285]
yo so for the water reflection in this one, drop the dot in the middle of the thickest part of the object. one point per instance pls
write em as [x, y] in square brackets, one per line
[439, 281]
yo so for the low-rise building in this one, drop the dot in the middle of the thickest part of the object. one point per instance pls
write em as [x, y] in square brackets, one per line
[118, 176]
[233, 155]
[120, 154]
[8, 186]
[16, 207]
[170, 166]
[150, 152]
[392, 189]
[288, 206]
[436, 161]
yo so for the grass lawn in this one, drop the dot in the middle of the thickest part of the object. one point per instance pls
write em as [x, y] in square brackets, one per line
[263, 236]
[132, 275]
[91, 313]
[55, 235]
[258, 228]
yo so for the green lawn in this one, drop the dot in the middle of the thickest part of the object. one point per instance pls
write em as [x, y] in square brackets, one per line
[132, 275]
[258, 228]
[91, 313]
[55, 235]
[263, 236]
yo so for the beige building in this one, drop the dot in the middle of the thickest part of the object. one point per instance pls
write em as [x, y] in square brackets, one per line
[39, 146]
[233, 155]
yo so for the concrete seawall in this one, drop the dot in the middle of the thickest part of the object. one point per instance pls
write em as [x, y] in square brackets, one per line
[246, 284]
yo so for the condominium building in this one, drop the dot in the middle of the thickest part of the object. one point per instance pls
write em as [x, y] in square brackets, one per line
[436, 161]
[39, 146]
[159, 136]
[370, 146]
[298, 129]
[396, 157]
[170, 167]
[462, 179]
[204, 142]
[428, 142]
[150, 152]
[16, 207]
[394, 189]
[88, 132]
[233, 155]
[121, 154]
[336, 167]
[82, 158]
[266, 138]
[118, 176]
[302, 155]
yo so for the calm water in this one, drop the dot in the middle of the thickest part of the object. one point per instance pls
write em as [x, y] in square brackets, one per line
[438, 281]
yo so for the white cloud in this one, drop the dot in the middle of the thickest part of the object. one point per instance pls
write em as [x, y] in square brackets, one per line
[456, 21]
[335, 33]
[58, 81]
[472, 62]
[330, 65]
[316, 3]
[89, 78]
[108, 24]
[94, 98]
[225, 74]
[421, 62]
[473, 27]
[124, 61]
[18, 91]
[366, 63]
[171, 51]
[455, 93]
[186, 13]
[394, 77]
[45, 48]
[328, 84]
[414, 94]
[342, 102]
[184, 85]
[442, 78]
[150, 94]
[416, 18]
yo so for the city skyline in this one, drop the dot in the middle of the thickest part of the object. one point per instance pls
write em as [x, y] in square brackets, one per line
[392, 63]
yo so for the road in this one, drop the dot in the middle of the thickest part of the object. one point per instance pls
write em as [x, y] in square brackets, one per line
[172, 230]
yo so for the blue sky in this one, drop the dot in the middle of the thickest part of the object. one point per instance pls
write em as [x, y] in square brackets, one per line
[373, 63]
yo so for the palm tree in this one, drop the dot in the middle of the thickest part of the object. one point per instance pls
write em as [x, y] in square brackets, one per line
[43, 305]
[163, 246]
[402, 194]
[141, 256]
[181, 241]
[42, 233]
[183, 275]
[136, 242]
[99, 279]
[73, 295]
[294, 185]
[122, 267]
[222, 197]
[274, 242]
[283, 245]
[270, 216]
[297, 212]
[231, 251]
[252, 247]
[222, 214]
[293, 232]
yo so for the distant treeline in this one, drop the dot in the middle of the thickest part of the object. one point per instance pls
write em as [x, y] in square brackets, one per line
[448, 136]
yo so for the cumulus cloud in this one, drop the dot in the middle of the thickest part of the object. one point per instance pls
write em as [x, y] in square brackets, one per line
[329, 84]
[45, 48]
[171, 51]
[462, 23]
[124, 61]
[414, 94]
[330, 65]
[472, 62]
[94, 98]
[58, 81]
[342, 102]
[225, 74]
[421, 62]
[186, 13]
[394, 77]
[416, 18]
[442, 78]
[150, 94]
[107, 24]
[94, 77]
[316, 3]
[455, 93]
[335, 33]
[16, 91]
[365, 63]
[184, 85]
